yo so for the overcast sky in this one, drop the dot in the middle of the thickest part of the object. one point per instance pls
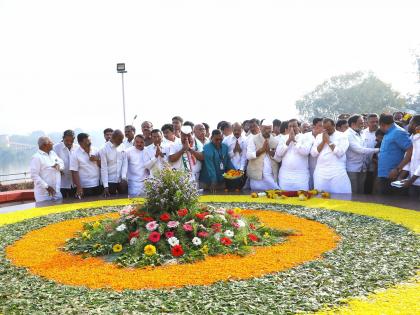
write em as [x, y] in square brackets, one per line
[203, 60]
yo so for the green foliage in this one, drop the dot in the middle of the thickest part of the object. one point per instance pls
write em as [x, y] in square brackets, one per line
[350, 93]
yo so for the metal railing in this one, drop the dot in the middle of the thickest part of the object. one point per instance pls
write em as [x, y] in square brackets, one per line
[15, 177]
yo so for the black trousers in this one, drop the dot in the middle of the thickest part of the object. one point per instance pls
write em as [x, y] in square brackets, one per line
[369, 182]
[93, 191]
[384, 188]
[68, 192]
[117, 188]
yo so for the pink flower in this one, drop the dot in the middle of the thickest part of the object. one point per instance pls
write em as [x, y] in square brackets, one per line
[187, 227]
[173, 224]
[202, 234]
[151, 226]
[236, 225]
[169, 234]
[154, 237]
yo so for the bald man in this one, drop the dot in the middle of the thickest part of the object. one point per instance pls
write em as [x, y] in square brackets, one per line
[46, 168]
[263, 167]
[112, 156]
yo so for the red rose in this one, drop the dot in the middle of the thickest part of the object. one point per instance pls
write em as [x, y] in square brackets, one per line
[169, 234]
[252, 226]
[217, 227]
[133, 234]
[202, 215]
[154, 237]
[148, 219]
[182, 212]
[230, 211]
[226, 241]
[253, 237]
[165, 217]
[177, 251]
[202, 234]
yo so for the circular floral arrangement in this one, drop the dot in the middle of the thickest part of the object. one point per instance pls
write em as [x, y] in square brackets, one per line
[372, 254]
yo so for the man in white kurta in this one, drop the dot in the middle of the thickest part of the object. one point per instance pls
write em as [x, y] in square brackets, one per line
[156, 153]
[262, 167]
[237, 147]
[187, 155]
[64, 150]
[134, 169]
[413, 168]
[330, 147]
[294, 152]
[316, 130]
[45, 170]
[112, 156]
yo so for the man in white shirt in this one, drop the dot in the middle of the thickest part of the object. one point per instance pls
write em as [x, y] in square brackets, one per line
[169, 135]
[200, 134]
[293, 153]
[316, 130]
[236, 144]
[156, 153]
[85, 168]
[108, 134]
[263, 167]
[413, 168]
[369, 137]
[188, 154]
[330, 172]
[112, 156]
[130, 132]
[134, 169]
[45, 170]
[356, 155]
[64, 150]
[177, 122]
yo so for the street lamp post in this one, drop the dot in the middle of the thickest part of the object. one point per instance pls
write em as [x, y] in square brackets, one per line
[121, 69]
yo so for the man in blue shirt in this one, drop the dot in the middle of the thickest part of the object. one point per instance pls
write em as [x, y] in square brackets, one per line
[395, 153]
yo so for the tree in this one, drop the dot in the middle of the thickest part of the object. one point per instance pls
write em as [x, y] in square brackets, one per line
[350, 93]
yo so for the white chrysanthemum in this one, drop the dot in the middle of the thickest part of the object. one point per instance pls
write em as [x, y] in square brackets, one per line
[241, 223]
[133, 241]
[209, 216]
[173, 241]
[229, 233]
[196, 241]
[121, 227]
[217, 236]
[222, 217]
[220, 211]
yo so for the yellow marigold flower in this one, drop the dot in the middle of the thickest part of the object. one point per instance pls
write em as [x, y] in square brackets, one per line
[117, 248]
[237, 210]
[149, 250]
[96, 225]
[204, 249]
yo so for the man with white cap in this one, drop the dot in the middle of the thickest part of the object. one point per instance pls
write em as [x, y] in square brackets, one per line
[293, 152]
[188, 154]
[263, 165]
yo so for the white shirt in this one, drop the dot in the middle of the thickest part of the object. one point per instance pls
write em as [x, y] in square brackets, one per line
[414, 166]
[127, 144]
[238, 159]
[356, 154]
[153, 162]
[206, 140]
[169, 142]
[44, 174]
[331, 163]
[111, 163]
[294, 156]
[134, 165]
[191, 162]
[64, 153]
[369, 139]
[89, 172]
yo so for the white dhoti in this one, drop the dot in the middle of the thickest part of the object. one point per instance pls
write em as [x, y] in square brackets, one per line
[267, 182]
[337, 183]
[293, 180]
[135, 188]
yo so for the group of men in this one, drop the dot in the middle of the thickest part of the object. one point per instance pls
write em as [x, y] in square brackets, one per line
[273, 155]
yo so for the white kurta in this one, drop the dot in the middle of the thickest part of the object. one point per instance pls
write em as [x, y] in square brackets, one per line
[294, 170]
[187, 162]
[127, 144]
[64, 153]
[134, 170]
[369, 141]
[357, 153]
[268, 181]
[312, 164]
[330, 173]
[238, 159]
[154, 163]
[111, 163]
[89, 171]
[44, 174]
[414, 166]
